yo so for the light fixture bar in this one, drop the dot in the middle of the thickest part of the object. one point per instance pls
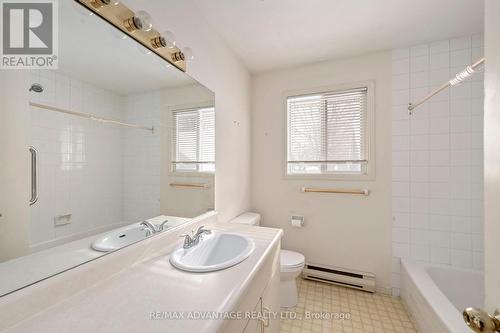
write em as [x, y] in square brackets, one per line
[459, 78]
[124, 19]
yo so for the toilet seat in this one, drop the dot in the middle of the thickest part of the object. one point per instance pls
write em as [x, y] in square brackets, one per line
[291, 260]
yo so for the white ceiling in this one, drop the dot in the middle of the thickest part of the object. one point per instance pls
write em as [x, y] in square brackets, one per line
[269, 34]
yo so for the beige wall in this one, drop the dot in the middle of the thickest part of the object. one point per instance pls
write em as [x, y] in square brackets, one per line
[341, 230]
[178, 201]
[492, 154]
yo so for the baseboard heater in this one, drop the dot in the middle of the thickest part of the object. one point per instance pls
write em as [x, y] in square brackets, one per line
[340, 276]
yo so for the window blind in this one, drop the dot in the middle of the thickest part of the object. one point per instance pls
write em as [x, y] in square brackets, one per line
[194, 140]
[327, 132]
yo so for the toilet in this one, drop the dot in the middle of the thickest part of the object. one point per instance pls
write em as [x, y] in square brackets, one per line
[291, 262]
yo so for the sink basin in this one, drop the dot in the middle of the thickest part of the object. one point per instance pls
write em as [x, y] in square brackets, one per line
[214, 252]
[119, 238]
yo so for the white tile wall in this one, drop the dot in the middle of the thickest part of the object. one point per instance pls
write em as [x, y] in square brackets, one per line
[437, 157]
[102, 174]
[141, 157]
[79, 160]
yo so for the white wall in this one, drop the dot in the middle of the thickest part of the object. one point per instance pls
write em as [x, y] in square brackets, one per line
[437, 156]
[341, 230]
[216, 67]
[492, 155]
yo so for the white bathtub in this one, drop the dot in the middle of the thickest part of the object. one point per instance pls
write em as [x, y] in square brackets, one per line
[436, 295]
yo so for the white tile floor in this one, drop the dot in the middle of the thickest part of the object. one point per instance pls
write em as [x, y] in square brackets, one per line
[363, 312]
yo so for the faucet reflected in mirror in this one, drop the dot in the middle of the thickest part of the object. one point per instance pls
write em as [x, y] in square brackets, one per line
[151, 229]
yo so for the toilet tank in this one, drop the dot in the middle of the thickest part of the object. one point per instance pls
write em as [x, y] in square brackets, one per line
[247, 218]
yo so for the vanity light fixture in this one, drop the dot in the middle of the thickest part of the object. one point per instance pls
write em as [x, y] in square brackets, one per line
[139, 27]
[177, 56]
[140, 21]
[100, 3]
[185, 55]
[166, 39]
[158, 42]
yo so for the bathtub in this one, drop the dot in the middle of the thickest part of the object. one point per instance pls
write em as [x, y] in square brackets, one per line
[436, 295]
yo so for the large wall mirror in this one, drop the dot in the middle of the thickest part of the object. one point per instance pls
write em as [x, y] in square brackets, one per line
[122, 148]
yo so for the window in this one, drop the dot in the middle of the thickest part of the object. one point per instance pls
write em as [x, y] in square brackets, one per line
[194, 140]
[327, 133]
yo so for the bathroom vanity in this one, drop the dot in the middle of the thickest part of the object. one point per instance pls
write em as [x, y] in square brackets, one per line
[118, 157]
[150, 295]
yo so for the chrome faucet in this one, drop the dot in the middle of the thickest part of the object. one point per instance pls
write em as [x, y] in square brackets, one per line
[190, 241]
[148, 227]
[161, 227]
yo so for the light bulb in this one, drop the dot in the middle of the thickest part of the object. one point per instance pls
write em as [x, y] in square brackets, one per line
[140, 21]
[169, 39]
[143, 21]
[188, 54]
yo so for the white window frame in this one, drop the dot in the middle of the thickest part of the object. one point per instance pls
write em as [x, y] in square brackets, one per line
[172, 149]
[369, 173]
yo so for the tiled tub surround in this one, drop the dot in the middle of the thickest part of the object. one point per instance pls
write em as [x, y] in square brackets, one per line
[83, 163]
[437, 157]
[154, 285]
[79, 159]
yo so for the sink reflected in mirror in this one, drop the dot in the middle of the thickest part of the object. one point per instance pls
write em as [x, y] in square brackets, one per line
[130, 234]
[214, 252]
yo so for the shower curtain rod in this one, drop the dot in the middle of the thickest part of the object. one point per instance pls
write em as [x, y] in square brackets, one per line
[90, 116]
[452, 82]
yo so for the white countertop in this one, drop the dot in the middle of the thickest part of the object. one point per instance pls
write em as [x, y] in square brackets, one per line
[124, 302]
[22, 271]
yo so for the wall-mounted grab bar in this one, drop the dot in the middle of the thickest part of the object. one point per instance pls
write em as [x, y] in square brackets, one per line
[34, 175]
[190, 185]
[338, 191]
